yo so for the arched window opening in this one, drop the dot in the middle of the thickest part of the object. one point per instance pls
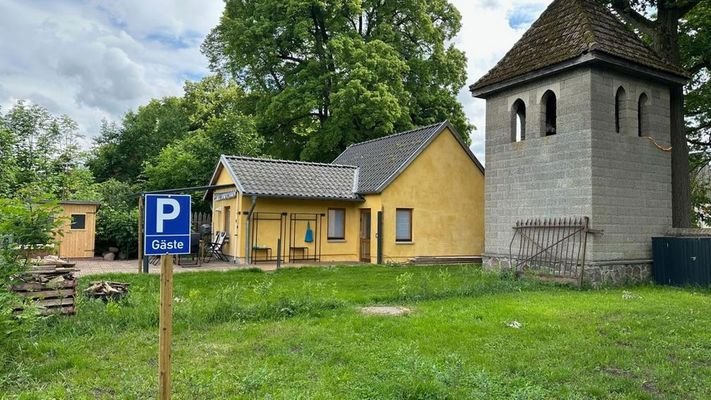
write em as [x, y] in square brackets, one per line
[549, 113]
[620, 101]
[643, 115]
[518, 121]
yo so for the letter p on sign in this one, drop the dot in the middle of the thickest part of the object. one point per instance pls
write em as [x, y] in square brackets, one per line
[164, 204]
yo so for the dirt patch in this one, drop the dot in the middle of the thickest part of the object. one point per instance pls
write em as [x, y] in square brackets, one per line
[617, 372]
[385, 310]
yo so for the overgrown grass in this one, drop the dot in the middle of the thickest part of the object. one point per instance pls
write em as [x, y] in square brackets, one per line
[298, 333]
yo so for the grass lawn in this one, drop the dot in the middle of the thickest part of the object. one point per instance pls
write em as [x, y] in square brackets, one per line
[298, 334]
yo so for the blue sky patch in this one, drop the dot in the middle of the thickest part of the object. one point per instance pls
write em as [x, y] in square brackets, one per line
[522, 16]
[187, 40]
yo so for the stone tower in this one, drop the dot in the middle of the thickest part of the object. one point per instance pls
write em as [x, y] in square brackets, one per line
[577, 124]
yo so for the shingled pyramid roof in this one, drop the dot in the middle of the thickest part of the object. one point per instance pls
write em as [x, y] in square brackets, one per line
[566, 30]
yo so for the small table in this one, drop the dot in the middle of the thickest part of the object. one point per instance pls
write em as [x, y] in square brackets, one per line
[304, 251]
[266, 249]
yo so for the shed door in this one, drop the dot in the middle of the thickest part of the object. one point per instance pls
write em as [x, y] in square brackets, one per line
[365, 235]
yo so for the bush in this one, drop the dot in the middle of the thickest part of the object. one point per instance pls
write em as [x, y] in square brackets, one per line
[25, 225]
[117, 219]
[117, 227]
[29, 224]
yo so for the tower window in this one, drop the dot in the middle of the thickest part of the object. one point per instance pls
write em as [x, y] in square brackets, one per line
[620, 102]
[549, 113]
[518, 121]
[643, 115]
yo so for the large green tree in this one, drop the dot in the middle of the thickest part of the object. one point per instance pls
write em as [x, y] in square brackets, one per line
[40, 150]
[8, 167]
[662, 23]
[122, 149]
[695, 43]
[219, 125]
[329, 73]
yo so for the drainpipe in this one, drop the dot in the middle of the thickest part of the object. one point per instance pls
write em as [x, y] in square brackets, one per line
[379, 238]
[248, 237]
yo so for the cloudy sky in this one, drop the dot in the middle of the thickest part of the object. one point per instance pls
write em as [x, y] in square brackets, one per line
[97, 59]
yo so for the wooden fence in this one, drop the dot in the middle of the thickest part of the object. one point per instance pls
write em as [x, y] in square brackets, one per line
[200, 218]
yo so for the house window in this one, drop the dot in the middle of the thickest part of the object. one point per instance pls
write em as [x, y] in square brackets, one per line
[518, 121]
[78, 222]
[336, 223]
[549, 113]
[620, 102]
[403, 225]
[643, 116]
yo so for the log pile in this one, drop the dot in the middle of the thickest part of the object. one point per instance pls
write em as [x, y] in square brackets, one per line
[52, 288]
[106, 290]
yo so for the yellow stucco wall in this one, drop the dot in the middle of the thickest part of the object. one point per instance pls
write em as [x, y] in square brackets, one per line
[446, 193]
[77, 243]
[218, 214]
[267, 231]
[442, 186]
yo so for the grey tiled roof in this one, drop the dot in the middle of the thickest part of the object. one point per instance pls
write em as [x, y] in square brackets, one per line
[381, 160]
[363, 168]
[568, 29]
[281, 178]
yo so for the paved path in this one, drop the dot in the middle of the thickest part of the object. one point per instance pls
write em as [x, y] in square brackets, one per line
[99, 266]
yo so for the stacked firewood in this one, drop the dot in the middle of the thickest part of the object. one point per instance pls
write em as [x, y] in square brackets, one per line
[106, 290]
[52, 288]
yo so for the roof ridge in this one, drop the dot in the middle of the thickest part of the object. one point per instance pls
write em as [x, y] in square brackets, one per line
[588, 31]
[400, 133]
[282, 161]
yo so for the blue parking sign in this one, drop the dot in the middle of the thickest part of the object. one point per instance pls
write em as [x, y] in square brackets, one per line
[167, 224]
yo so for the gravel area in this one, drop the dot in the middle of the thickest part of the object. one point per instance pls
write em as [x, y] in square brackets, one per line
[99, 266]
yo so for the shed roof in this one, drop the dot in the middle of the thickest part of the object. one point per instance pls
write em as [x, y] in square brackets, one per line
[81, 202]
[381, 160]
[566, 30]
[295, 179]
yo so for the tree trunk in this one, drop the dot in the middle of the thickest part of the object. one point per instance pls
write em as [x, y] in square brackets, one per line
[666, 43]
[681, 182]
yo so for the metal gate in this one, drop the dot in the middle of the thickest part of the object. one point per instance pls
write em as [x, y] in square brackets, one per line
[305, 237]
[268, 230]
[553, 247]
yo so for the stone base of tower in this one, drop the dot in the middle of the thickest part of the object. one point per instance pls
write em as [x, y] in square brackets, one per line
[596, 274]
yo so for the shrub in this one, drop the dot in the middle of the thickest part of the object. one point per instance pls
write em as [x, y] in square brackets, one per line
[25, 225]
[117, 227]
[28, 224]
[117, 219]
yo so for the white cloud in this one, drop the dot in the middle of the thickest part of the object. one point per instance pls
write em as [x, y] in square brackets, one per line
[96, 59]
[486, 35]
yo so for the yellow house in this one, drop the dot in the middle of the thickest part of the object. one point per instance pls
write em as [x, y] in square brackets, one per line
[415, 195]
[79, 228]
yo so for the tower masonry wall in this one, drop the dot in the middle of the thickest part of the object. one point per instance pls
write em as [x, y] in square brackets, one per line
[621, 180]
[540, 176]
[631, 175]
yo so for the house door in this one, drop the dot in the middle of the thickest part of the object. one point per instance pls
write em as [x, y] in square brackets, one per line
[365, 235]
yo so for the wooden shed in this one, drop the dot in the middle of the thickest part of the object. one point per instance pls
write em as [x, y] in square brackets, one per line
[79, 229]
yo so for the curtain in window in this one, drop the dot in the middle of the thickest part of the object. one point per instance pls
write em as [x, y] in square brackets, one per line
[403, 225]
[336, 223]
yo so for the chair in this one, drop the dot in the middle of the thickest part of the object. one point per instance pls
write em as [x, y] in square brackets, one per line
[214, 248]
[195, 257]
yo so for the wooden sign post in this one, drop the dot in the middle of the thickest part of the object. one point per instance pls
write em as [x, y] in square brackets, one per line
[165, 338]
[167, 233]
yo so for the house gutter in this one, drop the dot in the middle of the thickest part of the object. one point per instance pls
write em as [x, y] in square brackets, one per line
[247, 246]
